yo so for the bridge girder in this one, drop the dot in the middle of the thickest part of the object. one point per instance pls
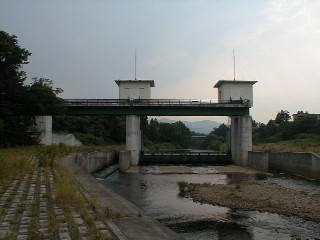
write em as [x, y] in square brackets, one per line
[132, 108]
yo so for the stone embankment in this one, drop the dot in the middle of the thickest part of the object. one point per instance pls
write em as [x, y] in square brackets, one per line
[28, 210]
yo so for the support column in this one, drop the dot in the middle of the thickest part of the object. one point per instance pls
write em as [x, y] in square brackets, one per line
[133, 138]
[241, 139]
[44, 124]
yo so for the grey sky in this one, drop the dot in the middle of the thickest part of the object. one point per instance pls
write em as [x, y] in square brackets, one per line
[184, 45]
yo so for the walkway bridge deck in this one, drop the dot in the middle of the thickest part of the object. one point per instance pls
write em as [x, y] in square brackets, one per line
[157, 107]
[209, 158]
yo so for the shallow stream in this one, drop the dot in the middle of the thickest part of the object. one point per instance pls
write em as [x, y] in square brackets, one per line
[157, 195]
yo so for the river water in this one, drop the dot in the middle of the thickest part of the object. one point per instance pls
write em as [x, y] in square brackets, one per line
[157, 195]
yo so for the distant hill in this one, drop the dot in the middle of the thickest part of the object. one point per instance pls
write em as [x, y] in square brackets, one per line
[204, 126]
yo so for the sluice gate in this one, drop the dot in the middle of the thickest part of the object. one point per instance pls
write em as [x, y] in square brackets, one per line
[147, 158]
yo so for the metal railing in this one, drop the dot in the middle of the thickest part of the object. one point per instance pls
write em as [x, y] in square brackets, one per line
[151, 102]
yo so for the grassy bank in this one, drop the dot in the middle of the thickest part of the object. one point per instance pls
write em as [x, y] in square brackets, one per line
[307, 144]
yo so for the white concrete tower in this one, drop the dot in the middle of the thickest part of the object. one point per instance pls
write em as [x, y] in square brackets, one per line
[241, 126]
[134, 89]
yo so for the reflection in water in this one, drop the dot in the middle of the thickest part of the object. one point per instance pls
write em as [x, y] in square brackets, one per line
[157, 195]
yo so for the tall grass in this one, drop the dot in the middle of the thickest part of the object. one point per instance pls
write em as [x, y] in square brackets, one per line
[67, 193]
[14, 163]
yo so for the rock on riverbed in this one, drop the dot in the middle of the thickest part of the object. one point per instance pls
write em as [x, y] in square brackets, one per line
[262, 197]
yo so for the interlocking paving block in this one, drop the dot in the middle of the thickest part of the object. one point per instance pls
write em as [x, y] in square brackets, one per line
[14, 205]
[23, 237]
[43, 216]
[43, 209]
[23, 229]
[64, 236]
[43, 224]
[11, 211]
[16, 199]
[82, 230]
[63, 227]
[58, 211]
[26, 213]
[75, 214]
[4, 233]
[99, 225]
[78, 221]
[8, 217]
[26, 220]
[28, 202]
[5, 225]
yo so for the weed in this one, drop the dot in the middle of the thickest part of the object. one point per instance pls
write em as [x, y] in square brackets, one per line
[185, 187]
[261, 176]
[233, 196]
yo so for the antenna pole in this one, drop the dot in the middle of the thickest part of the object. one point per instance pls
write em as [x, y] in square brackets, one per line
[135, 64]
[234, 67]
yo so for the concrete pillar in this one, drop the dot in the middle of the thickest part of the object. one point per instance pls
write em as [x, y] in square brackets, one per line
[133, 138]
[124, 160]
[44, 124]
[241, 139]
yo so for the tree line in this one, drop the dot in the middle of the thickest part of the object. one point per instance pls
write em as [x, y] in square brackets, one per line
[281, 128]
[20, 102]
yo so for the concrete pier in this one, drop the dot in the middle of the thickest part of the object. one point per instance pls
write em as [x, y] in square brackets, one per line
[44, 124]
[133, 138]
[241, 139]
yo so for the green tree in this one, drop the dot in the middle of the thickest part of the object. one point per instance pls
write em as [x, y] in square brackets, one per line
[42, 98]
[19, 103]
[221, 131]
[282, 116]
[213, 142]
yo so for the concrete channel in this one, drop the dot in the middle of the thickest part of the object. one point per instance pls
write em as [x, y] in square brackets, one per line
[124, 219]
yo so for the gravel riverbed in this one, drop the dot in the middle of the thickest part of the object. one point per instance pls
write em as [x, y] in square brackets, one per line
[259, 196]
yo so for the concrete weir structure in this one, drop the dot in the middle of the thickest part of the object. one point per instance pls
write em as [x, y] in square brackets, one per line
[133, 90]
[241, 126]
[235, 100]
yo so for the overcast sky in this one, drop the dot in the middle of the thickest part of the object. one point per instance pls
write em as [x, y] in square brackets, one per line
[185, 46]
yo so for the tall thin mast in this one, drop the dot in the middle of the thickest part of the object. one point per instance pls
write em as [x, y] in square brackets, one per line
[135, 64]
[234, 67]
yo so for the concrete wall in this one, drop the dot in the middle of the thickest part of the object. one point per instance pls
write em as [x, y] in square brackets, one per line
[124, 160]
[67, 139]
[94, 161]
[259, 160]
[304, 164]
